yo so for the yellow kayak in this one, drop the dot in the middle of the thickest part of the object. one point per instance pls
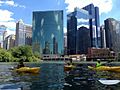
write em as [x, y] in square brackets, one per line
[106, 68]
[28, 70]
[68, 67]
[101, 68]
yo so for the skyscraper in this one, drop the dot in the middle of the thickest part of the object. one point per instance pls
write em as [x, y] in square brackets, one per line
[112, 30]
[4, 36]
[9, 42]
[83, 21]
[83, 40]
[48, 32]
[94, 25]
[77, 24]
[71, 33]
[103, 37]
[23, 34]
[2, 30]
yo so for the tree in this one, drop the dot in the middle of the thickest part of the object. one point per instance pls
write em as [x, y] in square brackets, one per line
[5, 56]
[24, 52]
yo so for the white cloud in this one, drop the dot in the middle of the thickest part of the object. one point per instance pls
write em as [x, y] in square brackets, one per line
[5, 15]
[6, 19]
[10, 25]
[104, 5]
[11, 3]
[10, 32]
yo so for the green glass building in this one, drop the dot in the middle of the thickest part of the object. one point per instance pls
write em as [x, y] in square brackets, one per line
[47, 36]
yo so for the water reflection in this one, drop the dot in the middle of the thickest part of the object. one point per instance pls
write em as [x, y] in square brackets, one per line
[82, 78]
[53, 77]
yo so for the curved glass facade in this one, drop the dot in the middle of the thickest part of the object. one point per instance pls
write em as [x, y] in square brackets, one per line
[47, 35]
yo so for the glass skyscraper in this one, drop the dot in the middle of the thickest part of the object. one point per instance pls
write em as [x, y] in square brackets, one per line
[2, 36]
[112, 31]
[83, 30]
[94, 25]
[78, 32]
[47, 37]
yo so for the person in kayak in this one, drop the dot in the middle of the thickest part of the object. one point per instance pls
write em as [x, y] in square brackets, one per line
[98, 64]
[20, 64]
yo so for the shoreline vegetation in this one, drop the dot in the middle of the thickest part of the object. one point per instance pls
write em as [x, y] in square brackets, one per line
[17, 53]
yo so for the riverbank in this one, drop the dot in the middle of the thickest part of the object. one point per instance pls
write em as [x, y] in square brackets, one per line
[75, 62]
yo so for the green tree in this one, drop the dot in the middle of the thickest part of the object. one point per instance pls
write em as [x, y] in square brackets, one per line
[5, 56]
[24, 52]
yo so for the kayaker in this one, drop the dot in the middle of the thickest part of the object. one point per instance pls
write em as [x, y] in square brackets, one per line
[21, 64]
[98, 64]
[70, 61]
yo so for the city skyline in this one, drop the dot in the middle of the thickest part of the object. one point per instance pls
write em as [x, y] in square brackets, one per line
[13, 10]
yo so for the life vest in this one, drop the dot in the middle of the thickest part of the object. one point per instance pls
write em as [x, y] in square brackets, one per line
[98, 64]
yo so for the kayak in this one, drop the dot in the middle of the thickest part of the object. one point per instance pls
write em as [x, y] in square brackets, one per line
[28, 70]
[101, 68]
[106, 68]
[68, 67]
[109, 82]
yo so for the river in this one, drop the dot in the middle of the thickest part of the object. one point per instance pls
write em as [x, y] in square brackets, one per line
[53, 77]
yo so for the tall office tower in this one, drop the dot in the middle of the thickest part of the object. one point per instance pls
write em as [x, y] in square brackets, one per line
[112, 30]
[94, 25]
[4, 36]
[28, 34]
[12, 41]
[83, 40]
[2, 30]
[103, 38]
[77, 25]
[20, 33]
[9, 42]
[47, 37]
[23, 34]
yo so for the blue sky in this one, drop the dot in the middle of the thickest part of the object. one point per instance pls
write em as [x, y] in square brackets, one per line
[13, 10]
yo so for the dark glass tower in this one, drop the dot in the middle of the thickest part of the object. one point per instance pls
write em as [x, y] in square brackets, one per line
[103, 38]
[78, 32]
[47, 35]
[83, 21]
[94, 25]
[83, 40]
[112, 31]
[71, 34]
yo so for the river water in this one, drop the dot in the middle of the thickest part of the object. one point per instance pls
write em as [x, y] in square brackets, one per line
[53, 77]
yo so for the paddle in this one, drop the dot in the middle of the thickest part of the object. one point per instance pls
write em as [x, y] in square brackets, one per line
[108, 62]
